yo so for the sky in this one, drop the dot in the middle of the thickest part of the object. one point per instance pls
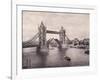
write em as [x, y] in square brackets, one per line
[75, 24]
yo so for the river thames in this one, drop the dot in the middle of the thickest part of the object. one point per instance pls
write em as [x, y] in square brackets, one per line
[54, 58]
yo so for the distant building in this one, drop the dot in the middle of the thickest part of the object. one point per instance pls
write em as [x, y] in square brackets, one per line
[86, 41]
[75, 42]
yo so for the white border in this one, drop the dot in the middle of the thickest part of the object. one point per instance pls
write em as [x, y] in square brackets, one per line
[18, 73]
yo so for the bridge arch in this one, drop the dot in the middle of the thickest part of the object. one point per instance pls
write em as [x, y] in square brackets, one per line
[50, 40]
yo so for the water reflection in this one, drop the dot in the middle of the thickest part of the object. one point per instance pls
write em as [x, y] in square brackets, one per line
[54, 58]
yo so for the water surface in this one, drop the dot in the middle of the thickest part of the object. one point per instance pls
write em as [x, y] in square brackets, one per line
[54, 58]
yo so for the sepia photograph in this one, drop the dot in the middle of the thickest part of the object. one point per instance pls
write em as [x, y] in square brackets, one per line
[55, 39]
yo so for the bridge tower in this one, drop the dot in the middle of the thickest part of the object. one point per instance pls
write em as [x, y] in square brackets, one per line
[42, 38]
[62, 37]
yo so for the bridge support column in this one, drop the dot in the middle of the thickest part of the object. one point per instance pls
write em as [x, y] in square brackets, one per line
[42, 39]
[62, 38]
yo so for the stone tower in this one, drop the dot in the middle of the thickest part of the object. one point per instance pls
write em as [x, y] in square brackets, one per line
[42, 38]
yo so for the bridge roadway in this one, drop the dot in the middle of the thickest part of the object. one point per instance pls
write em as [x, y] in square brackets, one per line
[26, 46]
[29, 45]
[52, 32]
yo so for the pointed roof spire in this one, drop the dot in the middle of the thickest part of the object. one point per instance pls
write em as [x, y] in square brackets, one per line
[42, 24]
[62, 28]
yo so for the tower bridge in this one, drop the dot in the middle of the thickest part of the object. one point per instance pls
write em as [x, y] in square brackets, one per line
[42, 45]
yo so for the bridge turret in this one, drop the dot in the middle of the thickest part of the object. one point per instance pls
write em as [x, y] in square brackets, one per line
[62, 37]
[42, 33]
[42, 37]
